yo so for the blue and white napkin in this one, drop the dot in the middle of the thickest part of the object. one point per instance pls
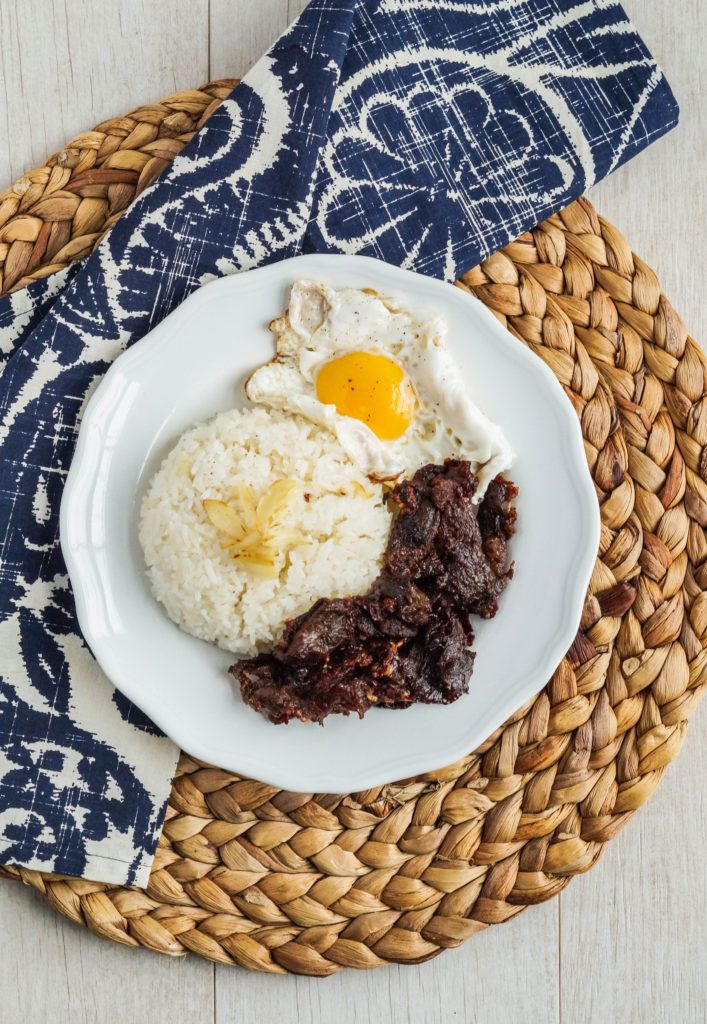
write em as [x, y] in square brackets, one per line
[425, 132]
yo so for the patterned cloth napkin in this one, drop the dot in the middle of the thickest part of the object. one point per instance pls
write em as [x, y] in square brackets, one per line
[424, 132]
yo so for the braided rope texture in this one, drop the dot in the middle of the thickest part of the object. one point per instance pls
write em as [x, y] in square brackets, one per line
[307, 883]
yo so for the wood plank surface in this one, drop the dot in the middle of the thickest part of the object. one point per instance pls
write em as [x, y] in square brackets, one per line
[624, 943]
[238, 38]
[52, 972]
[67, 64]
[506, 975]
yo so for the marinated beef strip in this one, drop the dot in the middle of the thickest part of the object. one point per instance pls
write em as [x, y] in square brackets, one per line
[408, 639]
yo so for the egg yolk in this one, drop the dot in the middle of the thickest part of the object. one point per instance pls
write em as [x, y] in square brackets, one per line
[369, 387]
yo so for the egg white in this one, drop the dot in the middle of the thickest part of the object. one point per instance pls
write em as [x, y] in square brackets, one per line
[323, 323]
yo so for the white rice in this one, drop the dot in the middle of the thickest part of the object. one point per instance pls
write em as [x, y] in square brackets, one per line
[200, 584]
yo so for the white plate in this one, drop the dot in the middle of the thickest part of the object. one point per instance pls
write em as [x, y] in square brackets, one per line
[193, 365]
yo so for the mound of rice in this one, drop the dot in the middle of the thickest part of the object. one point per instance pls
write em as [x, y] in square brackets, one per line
[344, 520]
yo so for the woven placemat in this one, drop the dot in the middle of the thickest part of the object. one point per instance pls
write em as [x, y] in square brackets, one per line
[274, 881]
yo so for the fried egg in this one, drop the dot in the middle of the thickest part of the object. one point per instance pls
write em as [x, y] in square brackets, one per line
[381, 379]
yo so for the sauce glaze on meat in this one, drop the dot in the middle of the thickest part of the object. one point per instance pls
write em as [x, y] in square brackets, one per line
[408, 639]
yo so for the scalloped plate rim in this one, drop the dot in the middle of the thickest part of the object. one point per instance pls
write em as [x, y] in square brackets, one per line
[78, 507]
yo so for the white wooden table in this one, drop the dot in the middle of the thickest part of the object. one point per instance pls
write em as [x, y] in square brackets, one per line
[625, 943]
